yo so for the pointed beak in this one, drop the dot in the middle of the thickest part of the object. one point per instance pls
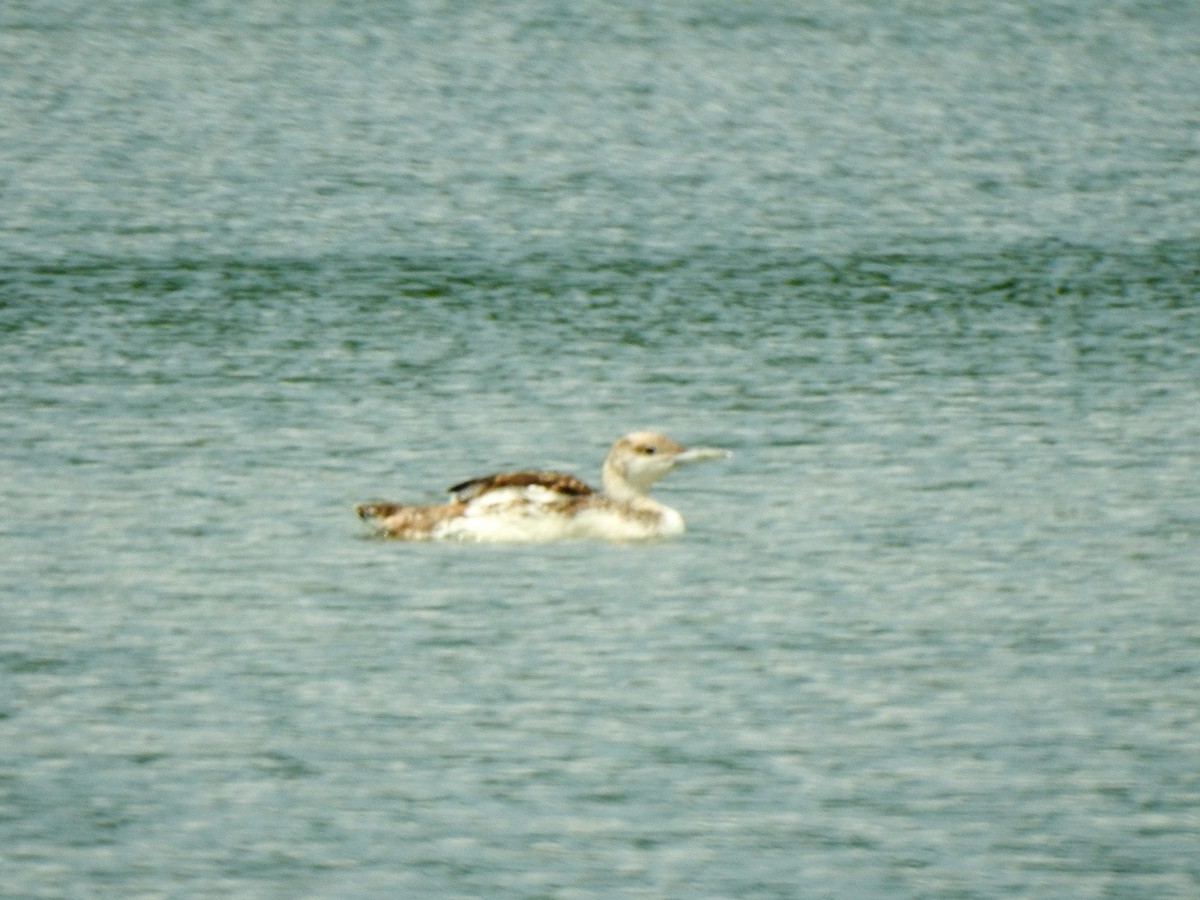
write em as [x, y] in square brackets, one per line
[699, 454]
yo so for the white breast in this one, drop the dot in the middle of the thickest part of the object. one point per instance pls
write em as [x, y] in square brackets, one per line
[535, 514]
[612, 523]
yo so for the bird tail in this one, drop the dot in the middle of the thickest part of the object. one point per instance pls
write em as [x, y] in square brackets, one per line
[377, 510]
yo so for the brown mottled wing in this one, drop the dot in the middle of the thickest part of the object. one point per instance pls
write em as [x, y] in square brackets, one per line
[567, 485]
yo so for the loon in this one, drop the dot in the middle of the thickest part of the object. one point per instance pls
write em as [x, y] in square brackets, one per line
[530, 505]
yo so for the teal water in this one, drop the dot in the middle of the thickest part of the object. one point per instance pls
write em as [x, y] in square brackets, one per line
[933, 630]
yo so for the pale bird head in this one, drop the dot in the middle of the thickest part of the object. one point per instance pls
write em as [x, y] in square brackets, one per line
[639, 459]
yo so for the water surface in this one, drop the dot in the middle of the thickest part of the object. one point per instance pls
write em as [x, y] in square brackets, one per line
[933, 630]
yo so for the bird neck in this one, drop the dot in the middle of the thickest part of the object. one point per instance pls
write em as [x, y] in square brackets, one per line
[618, 487]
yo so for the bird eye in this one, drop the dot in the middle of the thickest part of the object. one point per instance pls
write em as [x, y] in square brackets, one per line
[648, 449]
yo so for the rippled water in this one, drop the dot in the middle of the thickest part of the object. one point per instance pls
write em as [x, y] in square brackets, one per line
[932, 275]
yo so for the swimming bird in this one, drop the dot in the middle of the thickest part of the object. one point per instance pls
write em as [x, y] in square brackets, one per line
[533, 505]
